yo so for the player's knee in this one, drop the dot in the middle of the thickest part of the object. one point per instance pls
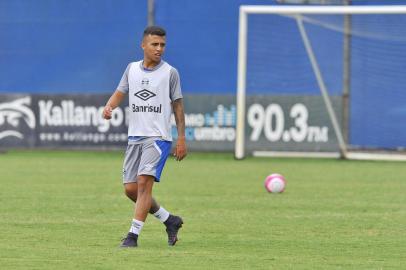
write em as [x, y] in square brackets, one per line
[145, 183]
[131, 192]
[131, 195]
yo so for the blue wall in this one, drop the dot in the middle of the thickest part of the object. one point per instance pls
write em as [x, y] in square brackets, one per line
[67, 46]
[83, 46]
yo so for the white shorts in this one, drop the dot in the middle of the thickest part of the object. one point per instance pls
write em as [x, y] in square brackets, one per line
[145, 158]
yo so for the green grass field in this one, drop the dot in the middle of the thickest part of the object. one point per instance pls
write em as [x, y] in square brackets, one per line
[66, 210]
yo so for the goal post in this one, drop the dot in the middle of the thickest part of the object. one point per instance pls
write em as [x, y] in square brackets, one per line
[298, 13]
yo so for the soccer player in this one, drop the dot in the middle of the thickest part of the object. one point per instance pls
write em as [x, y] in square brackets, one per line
[154, 91]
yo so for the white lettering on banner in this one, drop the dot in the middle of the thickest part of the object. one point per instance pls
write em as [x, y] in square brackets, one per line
[194, 120]
[300, 114]
[219, 118]
[12, 112]
[58, 121]
[270, 121]
[68, 114]
[84, 137]
[88, 137]
[218, 125]
[214, 134]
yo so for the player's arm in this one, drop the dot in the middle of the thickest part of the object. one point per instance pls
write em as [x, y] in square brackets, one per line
[118, 95]
[180, 149]
[113, 103]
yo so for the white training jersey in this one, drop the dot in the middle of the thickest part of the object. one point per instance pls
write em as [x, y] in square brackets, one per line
[150, 95]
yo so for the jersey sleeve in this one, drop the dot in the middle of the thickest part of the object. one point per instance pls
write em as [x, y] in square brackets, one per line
[174, 81]
[123, 86]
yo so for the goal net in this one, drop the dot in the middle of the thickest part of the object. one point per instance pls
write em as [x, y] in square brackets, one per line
[322, 81]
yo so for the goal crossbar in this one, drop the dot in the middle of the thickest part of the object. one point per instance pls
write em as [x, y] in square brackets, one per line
[393, 9]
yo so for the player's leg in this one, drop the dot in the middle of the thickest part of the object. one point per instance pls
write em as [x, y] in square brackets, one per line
[173, 223]
[131, 191]
[154, 155]
[154, 206]
[130, 169]
[138, 186]
[142, 207]
[144, 197]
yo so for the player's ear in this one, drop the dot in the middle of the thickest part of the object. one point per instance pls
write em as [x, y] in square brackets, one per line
[144, 42]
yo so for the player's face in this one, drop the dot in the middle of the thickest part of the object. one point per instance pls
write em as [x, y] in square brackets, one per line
[154, 48]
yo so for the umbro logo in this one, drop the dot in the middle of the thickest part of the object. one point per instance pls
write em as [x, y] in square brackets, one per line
[144, 94]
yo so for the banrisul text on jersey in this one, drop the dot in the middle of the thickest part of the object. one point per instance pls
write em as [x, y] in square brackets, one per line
[147, 108]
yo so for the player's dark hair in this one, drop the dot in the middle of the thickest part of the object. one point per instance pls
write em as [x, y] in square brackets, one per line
[154, 30]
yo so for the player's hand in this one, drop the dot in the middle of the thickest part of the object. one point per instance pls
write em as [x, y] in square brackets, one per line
[180, 149]
[107, 112]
